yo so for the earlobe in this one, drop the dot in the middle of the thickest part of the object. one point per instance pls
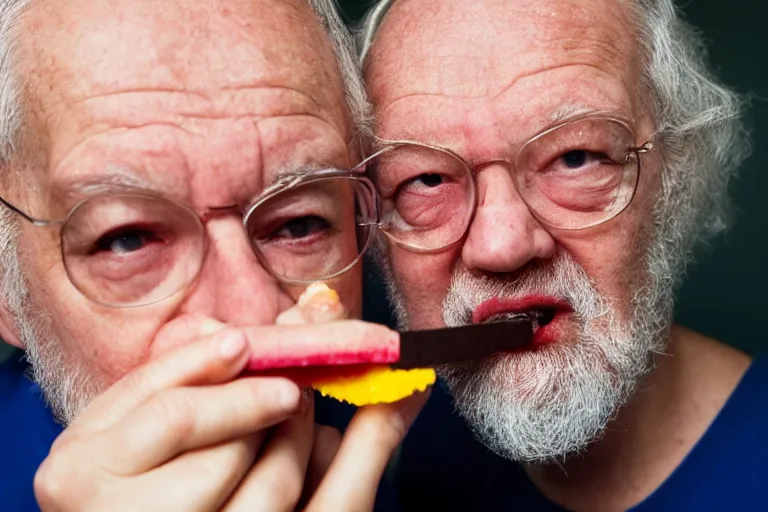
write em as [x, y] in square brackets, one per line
[9, 331]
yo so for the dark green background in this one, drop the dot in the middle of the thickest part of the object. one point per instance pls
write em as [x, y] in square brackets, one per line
[725, 294]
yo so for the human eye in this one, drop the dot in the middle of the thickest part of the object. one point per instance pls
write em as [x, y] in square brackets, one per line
[302, 229]
[126, 240]
[580, 159]
[120, 239]
[427, 180]
[302, 220]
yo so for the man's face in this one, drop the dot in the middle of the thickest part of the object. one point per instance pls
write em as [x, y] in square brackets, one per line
[483, 78]
[206, 104]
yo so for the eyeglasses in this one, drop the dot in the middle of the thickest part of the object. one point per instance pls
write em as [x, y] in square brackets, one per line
[128, 250]
[575, 175]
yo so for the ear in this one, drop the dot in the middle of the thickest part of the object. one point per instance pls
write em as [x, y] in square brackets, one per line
[9, 331]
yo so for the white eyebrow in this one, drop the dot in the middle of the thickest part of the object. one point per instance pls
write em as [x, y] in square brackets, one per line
[117, 178]
[286, 176]
[568, 111]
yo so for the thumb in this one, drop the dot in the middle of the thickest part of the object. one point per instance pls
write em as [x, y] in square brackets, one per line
[355, 473]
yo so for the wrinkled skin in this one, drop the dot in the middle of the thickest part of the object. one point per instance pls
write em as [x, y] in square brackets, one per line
[481, 78]
[206, 104]
[200, 102]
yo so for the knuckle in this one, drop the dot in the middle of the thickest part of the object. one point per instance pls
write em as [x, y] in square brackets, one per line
[266, 397]
[57, 481]
[138, 382]
[174, 409]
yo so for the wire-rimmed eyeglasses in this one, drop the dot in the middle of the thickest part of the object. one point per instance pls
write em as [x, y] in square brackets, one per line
[135, 249]
[577, 174]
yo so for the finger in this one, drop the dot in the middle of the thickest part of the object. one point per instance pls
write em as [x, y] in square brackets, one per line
[201, 479]
[183, 330]
[183, 419]
[355, 473]
[277, 478]
[221, 356]
[327, 442]
[217, 358]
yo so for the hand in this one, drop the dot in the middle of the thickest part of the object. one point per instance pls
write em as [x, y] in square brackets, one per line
[344, 473]
[181, 433]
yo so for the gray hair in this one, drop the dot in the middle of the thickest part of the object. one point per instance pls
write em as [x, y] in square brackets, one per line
[10, 107]
[357, 100]
[701, 136]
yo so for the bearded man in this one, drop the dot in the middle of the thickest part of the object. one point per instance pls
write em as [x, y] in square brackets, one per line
[558, 160]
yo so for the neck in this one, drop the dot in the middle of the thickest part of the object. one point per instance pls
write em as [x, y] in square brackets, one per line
[652, 435]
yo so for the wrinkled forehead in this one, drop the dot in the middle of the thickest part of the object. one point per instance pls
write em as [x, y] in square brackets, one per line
[494, 43]
[84, 48]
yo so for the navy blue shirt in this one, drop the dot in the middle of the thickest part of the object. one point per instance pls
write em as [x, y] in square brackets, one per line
[27, 431]
[442, 466]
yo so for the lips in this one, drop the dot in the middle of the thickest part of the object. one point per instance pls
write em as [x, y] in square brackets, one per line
[547, 313]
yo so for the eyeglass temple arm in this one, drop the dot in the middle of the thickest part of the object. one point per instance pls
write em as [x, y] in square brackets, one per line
[643, 148]
[26, 216]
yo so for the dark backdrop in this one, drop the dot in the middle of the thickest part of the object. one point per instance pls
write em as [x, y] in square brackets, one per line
[725, 293]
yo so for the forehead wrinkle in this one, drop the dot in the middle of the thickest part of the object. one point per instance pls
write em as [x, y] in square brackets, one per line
[262, 55]
[115, 179]
[172, 107]
[565, 29]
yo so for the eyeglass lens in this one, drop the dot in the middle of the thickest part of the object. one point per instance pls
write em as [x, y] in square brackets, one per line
[314, 231]
[577, 175]
[130, 250]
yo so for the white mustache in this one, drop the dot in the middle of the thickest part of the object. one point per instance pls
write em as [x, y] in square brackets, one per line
[560, 278]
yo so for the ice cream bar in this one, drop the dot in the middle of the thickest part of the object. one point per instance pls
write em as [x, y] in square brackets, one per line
[368, 374]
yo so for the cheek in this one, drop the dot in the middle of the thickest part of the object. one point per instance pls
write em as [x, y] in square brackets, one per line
[614, 258]
[614, 254]
[105, 342]
[423, 281]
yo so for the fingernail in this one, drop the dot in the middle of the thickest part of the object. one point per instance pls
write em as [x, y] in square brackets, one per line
[289, 395]
[232, 345]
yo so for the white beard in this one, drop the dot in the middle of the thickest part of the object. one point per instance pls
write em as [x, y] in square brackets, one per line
[544, 404]
[67, 389]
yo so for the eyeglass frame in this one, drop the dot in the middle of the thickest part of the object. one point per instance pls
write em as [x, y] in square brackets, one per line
[386, 146]
[304, 179]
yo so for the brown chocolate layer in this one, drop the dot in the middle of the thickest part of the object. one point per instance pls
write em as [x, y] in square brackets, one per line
[421, 349]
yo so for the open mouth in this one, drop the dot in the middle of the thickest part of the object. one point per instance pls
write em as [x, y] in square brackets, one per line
[541, 317]
[548, 314]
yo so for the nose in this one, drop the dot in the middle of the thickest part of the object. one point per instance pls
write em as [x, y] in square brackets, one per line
[504, 235]
[233, 287]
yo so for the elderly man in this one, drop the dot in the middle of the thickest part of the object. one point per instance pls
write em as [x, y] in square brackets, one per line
[173, 174]
[557, 160]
